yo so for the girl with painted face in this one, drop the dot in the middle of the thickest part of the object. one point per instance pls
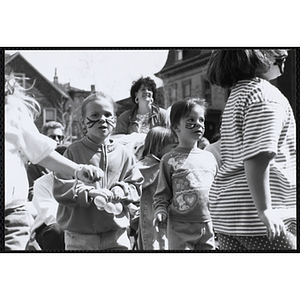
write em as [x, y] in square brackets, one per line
[185, 176]
[97, 217]
[253, 198]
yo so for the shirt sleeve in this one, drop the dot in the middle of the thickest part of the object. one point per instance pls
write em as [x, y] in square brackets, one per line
[33, 144]
[163, 194]
[262, 126]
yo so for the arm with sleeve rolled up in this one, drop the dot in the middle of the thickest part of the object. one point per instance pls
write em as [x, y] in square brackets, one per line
[40, 149]
[62, 165]
[257, 174]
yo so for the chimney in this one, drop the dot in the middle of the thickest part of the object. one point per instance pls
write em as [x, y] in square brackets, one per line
[93, 89]
[55, 79]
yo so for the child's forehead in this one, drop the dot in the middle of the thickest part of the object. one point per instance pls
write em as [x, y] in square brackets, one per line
[100, 104]
[195, 111]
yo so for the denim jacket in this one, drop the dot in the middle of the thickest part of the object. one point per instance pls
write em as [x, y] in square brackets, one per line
[149, 239]
[127, 122]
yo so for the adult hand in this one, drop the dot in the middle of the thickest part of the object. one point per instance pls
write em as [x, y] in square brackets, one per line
[88, 173]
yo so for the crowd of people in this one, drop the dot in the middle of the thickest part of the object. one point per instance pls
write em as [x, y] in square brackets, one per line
[148, 179]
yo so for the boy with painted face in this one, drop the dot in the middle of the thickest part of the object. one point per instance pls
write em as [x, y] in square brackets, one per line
[96, 217]
[186, 174]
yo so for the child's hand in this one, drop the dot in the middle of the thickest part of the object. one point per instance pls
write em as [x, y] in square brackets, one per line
[101, 197]
[118, 194]
[274, 224]
[133, 209]
[88, 173]
[158, 220]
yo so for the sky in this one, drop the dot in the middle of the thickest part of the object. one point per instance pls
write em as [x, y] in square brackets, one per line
[111, 71]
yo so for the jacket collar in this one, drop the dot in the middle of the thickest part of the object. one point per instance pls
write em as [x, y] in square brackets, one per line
[109, 146]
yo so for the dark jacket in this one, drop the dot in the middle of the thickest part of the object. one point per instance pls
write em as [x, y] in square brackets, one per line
[127, 122]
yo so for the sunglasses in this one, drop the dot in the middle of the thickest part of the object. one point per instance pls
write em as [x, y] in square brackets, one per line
[56, 136]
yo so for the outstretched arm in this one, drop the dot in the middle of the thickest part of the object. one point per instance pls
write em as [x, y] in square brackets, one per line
[60, 164]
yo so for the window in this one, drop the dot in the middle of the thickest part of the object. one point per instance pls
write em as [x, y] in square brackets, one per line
[49, 114]
[186, 88]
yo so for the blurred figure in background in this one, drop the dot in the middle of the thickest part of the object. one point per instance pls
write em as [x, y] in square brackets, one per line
[55, 131]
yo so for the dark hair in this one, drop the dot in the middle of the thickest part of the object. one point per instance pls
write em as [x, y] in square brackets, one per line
[157, 138]
[147, 82]
[226, 67]
[51, 125]
[61, 149]
[182, 108]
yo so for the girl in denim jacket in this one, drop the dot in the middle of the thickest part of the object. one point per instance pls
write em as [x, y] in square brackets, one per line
[158, 142]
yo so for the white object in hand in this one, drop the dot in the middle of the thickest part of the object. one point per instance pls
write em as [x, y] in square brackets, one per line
[112, 208]
[100, 202]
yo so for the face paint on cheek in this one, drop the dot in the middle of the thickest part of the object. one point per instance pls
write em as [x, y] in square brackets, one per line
[91, 123]
[190, 125]
[111, 121]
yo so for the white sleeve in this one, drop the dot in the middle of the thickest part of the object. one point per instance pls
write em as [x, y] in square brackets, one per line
[33, 144]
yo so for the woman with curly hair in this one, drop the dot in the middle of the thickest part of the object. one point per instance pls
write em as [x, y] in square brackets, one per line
[144, 115]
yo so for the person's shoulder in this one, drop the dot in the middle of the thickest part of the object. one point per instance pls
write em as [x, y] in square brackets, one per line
[170, 154]
[74, 145]
[116, 146]
[127, 112]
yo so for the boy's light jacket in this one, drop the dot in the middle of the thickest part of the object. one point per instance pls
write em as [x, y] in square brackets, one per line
[76, 211]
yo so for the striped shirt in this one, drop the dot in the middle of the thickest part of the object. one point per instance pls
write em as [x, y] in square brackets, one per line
[257, 118]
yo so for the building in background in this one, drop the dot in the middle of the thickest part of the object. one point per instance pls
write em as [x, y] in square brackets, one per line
[59, 102]
[184, 75]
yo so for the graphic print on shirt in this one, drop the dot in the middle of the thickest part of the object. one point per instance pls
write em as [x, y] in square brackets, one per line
[177, 162]
[188, 184]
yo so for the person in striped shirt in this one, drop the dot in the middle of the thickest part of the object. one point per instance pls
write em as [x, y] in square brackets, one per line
[253, 197]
